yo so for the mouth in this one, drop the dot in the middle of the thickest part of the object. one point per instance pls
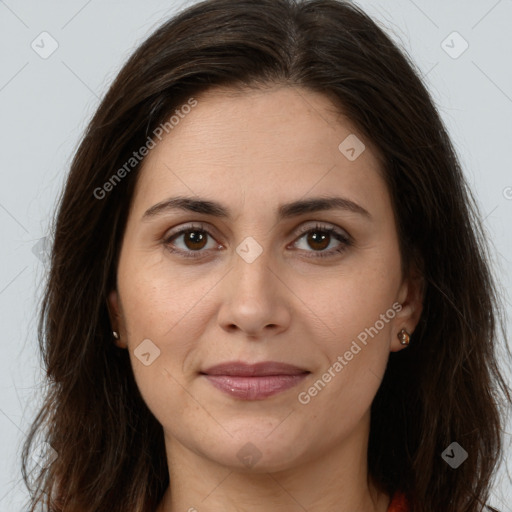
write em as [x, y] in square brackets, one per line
[254, 381]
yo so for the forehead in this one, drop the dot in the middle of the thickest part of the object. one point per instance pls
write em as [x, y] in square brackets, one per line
[275, 143]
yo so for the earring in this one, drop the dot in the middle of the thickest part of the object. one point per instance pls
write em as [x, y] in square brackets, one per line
[404, 337]
[116, 336]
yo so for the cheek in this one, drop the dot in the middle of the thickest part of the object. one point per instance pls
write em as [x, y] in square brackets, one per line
[357, 311]
[342, 391]
[171, 306]
[355, 303]
[161, 328]
[159, 297]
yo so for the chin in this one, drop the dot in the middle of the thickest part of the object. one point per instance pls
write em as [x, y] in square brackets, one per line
[255, 451]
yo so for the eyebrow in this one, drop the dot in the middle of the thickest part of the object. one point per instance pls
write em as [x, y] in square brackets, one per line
[285, 211]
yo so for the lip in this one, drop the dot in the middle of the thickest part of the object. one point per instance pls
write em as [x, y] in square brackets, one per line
[265, 368]
[254, 381]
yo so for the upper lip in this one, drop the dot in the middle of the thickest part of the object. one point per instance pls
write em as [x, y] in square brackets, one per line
[243, 369]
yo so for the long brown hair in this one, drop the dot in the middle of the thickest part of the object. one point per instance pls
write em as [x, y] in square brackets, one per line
[446, 387]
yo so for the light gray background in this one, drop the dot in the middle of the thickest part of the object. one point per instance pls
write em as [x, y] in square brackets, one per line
[45, 105]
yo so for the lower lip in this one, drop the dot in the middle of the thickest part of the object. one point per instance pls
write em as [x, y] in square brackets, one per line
[255, 388]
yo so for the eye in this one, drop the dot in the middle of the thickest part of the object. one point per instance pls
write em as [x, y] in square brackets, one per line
[195, 239]
[320, 237]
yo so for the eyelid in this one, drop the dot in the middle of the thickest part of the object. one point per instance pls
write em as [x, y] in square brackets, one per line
[341, 235]
[304, 228]
[320, 225]
[190, 226]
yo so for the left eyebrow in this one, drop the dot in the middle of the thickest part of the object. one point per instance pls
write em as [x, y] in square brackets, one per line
[285, 211]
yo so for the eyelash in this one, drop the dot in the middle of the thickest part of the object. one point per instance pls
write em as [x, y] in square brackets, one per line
[346, 241]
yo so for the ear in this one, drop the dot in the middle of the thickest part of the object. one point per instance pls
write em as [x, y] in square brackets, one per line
[115, 319]
[410, 296]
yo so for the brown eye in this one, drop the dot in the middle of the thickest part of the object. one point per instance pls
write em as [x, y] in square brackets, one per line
[194, 239]
[189, 242]
[319, 238]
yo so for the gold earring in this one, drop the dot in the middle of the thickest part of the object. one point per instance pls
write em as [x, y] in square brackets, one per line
[116, 336]
[404, 337]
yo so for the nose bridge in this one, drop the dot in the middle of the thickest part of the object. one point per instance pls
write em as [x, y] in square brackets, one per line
[251, 264]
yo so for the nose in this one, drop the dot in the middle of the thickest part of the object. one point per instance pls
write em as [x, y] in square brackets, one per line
[255, 300]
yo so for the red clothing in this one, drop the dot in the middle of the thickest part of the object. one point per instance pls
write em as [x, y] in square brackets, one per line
[398, 503]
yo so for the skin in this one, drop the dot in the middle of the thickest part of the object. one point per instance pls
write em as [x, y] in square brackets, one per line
[252, 151]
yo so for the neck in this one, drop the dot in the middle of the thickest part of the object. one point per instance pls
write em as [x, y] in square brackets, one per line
[336, 480]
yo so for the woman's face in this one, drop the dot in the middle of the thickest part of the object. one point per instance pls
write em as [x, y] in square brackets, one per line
[260, 278]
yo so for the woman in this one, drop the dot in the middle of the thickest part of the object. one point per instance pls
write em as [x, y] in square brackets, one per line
[269, 286]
